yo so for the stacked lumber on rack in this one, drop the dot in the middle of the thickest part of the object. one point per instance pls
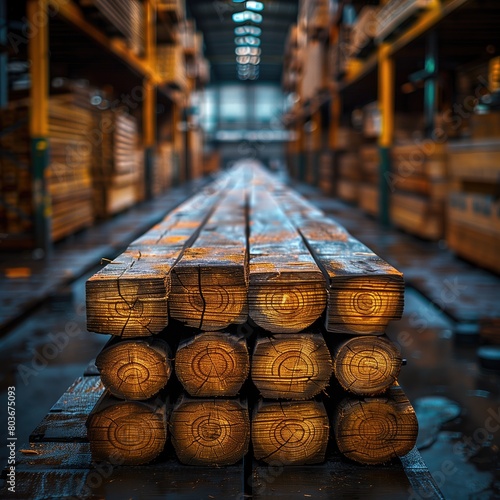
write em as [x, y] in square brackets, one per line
[162, 168]
[70, 181]
[418, 184]
[125, 17]
[250, 291]
[369, 187]
[16, 182]
[118, 167]
[68, 176]
[394, 15]
[171, 65]
[348, 165]
[473, 209]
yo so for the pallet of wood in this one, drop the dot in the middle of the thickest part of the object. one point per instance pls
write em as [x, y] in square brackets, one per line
[326, 173]
[368, 190]
[171, 65]
[125, 18]
[162, 168]
[68, 176]
[349, 176]
[472, 208]
[418, 183]
[118, 166]
[246, 289]
[473, 228]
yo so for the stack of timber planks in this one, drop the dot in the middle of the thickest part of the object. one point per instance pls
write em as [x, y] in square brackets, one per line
[348, 164]
[473, 209]
[229, 319]
[68, 177]
[125, 17]
[418, 183]
[118, 166]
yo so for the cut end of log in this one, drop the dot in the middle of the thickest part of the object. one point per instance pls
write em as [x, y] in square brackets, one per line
[286, 307]
[210, 432]
[290, 433]
[212, 364]
[364, 306]
[128, 433]
[135, 369]
[135, 307]
[291, 366]
[376, 430]
[367, 365]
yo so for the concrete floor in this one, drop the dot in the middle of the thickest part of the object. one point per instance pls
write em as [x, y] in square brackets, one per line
[457, 402]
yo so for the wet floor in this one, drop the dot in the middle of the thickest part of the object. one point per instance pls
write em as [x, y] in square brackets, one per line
[457, 401]
[42, 356]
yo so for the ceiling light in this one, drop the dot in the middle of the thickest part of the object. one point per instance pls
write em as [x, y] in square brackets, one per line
[247, 51]
[248, 60]
[254, 6]
[247, 30]
[247, 40]
[247, 15]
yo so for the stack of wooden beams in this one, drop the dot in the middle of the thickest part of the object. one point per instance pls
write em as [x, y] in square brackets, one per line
[70, 181]
[68, 176]
[368, 189]
[473, 211]
[118, 167]
[125, 17]
[348, 165]
[418, 183]
[171, 65]
[162, 168]
[16, 183]
[259, 298]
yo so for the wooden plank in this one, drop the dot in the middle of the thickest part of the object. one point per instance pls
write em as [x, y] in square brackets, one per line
[212, 364]
[375, 430]
[367, 365]
[286, 289]
[68, 468]
[66, 419]
[291, 366]
[128, 298]
[210, 281]
[131, 432]
[290, 433]
[364, 291]
[135, 369]
[210, 432]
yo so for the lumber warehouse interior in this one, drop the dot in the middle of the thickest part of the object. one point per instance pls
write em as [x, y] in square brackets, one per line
[250, 249]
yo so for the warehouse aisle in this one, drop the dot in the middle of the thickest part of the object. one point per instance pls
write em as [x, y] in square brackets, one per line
[52, 348]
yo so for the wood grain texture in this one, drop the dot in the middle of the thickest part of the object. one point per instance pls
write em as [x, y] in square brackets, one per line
[135, 369]
[367, 365]
[291, 366]
[375, 430]
[212, 364]
[290, 433]
[364, 291]
[209, 283]
[210, 432]
[286, 289]
[128, 297]
[133, 432]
